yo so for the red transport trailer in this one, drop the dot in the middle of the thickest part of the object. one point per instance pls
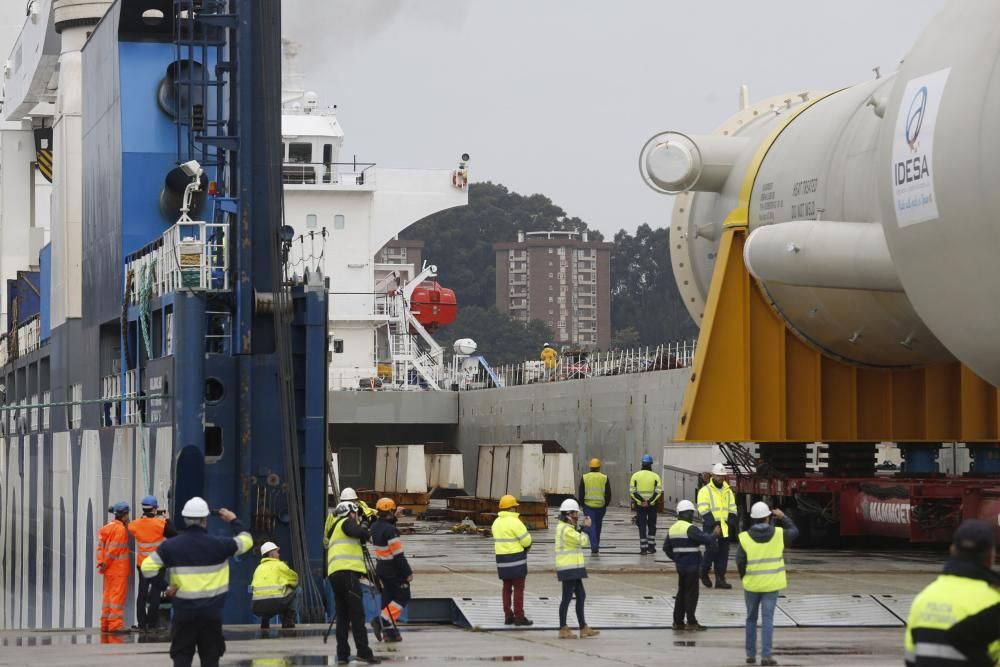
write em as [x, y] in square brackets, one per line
[918, 509]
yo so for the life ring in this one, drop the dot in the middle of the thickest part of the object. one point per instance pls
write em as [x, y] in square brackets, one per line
[460, 178]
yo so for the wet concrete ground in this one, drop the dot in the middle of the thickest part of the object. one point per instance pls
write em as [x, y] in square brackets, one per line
[441, 645]
[448, 565]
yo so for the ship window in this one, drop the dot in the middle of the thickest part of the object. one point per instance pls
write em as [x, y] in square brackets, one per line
[311, 221]
[327, 153]
[300, 153]
[213, 444]
[338, 222]
[338, 346]
[349, 461]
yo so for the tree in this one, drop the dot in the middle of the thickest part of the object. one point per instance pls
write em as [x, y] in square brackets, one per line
[644, 293]
[501, 339]
[625, 338]
[460, 240]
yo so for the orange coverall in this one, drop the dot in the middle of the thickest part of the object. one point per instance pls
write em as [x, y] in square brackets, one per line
[113, 563]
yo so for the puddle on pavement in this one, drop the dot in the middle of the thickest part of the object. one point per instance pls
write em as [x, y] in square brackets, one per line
[332, 660]
[71, 639]
[821, 650]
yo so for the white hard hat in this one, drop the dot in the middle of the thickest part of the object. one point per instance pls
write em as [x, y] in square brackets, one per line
[344, 508]
[348, 494]
[195, 508]
[267, 548]
[685, 506]
[760, 510]
[569, 505]
[719, 469]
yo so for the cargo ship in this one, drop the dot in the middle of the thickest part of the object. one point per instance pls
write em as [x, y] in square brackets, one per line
[158, 339]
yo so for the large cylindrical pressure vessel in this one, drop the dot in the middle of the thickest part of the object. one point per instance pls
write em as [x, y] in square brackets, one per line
[940, 181]
[910, 155]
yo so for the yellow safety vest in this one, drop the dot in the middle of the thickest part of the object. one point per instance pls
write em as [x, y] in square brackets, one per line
[647, 485]
[948, 600]
[273, 579]
[594, 484]
[343, 552]
[720, 503]
[569, 551]
[765, 563]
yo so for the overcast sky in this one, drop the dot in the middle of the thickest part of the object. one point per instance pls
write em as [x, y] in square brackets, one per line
[558, 96]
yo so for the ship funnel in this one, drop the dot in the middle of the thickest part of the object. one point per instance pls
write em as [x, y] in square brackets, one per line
[172, 195]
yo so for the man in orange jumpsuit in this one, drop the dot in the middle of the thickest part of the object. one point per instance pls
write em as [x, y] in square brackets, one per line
[113, 562]
[149, 531]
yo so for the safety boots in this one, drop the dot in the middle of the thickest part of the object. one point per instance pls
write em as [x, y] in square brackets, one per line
[587, 631]
[566, 633]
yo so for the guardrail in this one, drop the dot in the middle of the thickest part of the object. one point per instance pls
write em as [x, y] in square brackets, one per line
[593, 364]
[189, 255]
[23, 340]
[328, 173]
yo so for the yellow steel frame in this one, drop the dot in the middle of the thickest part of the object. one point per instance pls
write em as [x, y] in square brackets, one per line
[754, 380]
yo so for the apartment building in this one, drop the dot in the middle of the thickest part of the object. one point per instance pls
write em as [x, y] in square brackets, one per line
[402, 256]
[561, 278]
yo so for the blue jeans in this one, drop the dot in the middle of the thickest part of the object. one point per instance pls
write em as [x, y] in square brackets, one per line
[596, 515]
[766, 602]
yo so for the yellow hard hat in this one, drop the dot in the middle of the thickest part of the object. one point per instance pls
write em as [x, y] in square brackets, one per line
[386, 505]
[508, 501]
[595, 463]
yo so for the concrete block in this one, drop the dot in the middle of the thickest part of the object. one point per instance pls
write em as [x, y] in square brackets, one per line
[400, 469]
[445, 471]
[511, 469]
[559, 474]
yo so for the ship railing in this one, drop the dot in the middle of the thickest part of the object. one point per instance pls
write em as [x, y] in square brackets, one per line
[116, 400]
[26, 338]
[190, 255]
[576, 366]
[328, 173]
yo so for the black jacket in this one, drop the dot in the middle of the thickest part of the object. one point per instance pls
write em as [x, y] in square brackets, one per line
[390, 561]
[689, 561]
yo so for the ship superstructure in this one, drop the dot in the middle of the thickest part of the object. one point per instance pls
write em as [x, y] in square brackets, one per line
[345, 212]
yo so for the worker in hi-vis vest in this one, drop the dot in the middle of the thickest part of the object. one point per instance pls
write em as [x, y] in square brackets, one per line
[345, 566]
[595, 489]
[113, 563]
[150, 530]
[956, 619]
[511, 542]
[645, 489]
[717, 507]
[761, 563]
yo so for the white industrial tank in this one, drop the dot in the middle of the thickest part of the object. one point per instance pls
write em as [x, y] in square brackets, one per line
[465, 346]
[872, 210]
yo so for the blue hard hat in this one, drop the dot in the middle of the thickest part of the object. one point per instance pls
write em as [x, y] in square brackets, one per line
[150, 501]
[646, 458]
[119, 508]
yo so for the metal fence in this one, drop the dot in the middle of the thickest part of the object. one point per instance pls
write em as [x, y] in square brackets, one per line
[576, 366]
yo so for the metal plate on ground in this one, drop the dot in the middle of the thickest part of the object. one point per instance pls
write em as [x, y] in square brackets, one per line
[604, 611]
[720, 609]
[899, 605]
[837, 610]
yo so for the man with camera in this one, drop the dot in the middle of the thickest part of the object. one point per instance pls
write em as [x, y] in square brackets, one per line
[149, 531]
[199, 579]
